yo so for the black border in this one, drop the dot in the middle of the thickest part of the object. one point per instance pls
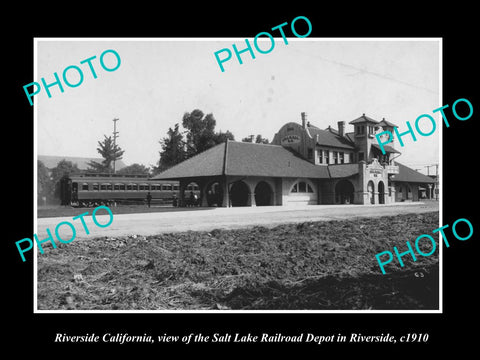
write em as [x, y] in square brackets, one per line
[460, 70]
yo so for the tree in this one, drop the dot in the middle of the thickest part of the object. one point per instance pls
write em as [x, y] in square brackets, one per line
[221, 137]
[200, 132]
[173, 149]
[258, 140]
[134, 169]
[109, 153]
[44, 183]
[199, 136]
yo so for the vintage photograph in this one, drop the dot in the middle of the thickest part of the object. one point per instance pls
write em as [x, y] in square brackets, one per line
[294, 180]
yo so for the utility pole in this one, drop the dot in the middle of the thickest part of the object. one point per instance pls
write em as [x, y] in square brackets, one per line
[115, 135]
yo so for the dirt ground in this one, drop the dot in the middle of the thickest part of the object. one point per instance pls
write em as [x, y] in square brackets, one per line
[325, 265]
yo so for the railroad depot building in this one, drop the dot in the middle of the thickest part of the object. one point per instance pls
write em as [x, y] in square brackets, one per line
[303, 165]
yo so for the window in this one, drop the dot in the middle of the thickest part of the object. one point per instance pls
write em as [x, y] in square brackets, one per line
[106, 186]
[192, 187]
[134, 187]
[341, 157]
[95, 187]
[122, 187]
[351, 157]
[360, 156]
[302, 187]
[176, 187]
[327, 157]
[85, 186]
[129, 187]
[118, 187]
[310, 153]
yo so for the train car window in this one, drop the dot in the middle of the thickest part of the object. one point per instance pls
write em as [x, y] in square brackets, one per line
[116, 187]
[103, 187]
[95, 187]
[109, 187]
[167, 187]
[135, 187]
[143, 187]
[85, 187]
[155, 187]
[129, 187]
[176, 187]
[122, 187]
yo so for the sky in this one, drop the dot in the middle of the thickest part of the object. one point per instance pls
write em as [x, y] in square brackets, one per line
[158, 80]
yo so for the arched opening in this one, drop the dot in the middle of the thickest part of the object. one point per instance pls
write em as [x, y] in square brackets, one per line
[371, 190]
[344, 192]
[214, 194]
[263, 194]
[381, 192]
[302, 193]
[191, 194]
[408, 192]
[239, 193]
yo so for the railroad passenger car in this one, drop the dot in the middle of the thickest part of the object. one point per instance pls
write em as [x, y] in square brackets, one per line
[93, 189]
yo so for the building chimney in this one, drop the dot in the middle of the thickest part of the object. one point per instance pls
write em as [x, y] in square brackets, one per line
[341, 128]
[304, 119]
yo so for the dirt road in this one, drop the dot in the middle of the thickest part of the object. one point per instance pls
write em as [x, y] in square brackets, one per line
[206, 219]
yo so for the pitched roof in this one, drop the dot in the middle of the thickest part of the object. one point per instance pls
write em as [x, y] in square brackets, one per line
[207, 163]
[387, 148]
[329, 138]
[268, 160]
[249, 159]
[363, 118]
[51, 161]
[407, 174]
[385, 122]
[342, 170]
[350, 136]
[245, 159]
